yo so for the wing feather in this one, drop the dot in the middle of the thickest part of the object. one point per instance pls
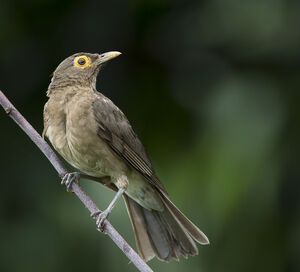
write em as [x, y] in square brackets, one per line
[115, 129]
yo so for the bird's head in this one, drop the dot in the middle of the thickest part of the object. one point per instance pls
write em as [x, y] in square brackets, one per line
[80, 69]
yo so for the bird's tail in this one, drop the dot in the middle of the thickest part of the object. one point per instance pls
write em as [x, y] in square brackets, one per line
[166, 234]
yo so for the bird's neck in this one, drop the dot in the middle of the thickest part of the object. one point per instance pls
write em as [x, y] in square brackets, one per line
[65, 84]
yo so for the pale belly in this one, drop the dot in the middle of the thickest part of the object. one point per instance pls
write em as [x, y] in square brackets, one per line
[86, 152]
[92, 156]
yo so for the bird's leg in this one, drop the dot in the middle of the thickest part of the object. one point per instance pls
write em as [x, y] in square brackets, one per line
[69, 178]
[101, 216]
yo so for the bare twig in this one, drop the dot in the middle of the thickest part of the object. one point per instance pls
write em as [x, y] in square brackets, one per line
[61, 170]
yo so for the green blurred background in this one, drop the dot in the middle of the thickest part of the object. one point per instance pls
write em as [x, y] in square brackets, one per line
[211, 88]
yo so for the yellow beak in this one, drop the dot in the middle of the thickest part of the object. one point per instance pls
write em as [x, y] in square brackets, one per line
[108, 56]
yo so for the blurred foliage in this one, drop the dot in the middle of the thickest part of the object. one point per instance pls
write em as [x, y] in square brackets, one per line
[212, 89]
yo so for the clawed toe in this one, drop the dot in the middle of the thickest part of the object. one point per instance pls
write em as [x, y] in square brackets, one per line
[100, 219]
[69, 178]
[101, 216]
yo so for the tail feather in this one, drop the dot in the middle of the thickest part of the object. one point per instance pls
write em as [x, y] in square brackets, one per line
[180, 237]
[164, 234]
[140, 229]
[159, 235]
[192, 229]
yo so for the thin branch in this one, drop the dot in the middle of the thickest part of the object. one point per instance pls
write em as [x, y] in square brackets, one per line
[61, 170]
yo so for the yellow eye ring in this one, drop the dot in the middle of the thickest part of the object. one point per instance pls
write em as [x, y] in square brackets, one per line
[82, 61]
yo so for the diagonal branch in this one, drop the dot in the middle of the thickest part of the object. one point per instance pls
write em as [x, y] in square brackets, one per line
[61, 170]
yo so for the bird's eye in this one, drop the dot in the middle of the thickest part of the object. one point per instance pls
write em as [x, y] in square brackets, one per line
[82, 61]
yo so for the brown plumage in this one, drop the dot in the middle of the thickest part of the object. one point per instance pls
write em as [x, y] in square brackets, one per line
[94, 136]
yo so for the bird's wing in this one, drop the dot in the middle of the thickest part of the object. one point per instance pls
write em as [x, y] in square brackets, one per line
[115, 129]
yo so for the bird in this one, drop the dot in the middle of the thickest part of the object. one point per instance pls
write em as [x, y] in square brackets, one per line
[93, 135]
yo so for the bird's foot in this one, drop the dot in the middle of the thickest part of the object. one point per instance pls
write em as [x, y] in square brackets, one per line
[100, 218]
[69, 178]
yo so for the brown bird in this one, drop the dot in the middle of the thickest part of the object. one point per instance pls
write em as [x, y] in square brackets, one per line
[92, 134]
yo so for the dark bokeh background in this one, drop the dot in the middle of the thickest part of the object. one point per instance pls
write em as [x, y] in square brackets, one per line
[212, 89]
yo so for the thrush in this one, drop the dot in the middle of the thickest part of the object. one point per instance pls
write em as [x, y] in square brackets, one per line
[93, 135]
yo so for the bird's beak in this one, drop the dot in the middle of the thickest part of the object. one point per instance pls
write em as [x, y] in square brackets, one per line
[107, 56]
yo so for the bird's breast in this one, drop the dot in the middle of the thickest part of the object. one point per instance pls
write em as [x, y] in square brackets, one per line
[88, 152]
